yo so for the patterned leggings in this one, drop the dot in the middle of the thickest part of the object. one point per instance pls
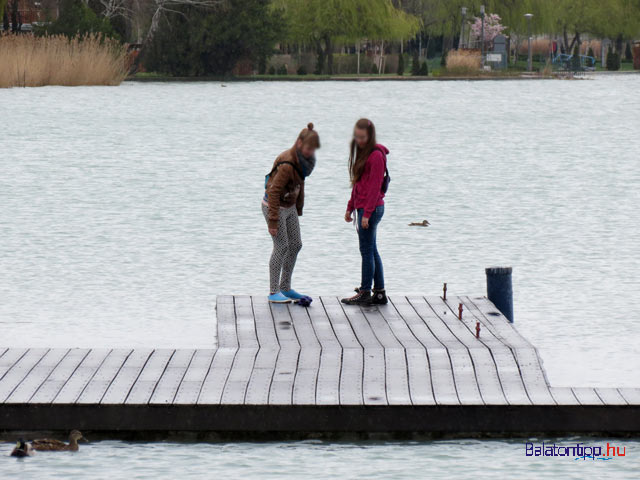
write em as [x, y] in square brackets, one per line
[286, 245]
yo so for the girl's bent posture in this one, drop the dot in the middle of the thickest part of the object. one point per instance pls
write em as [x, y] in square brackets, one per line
[367, 166]
[282, 205]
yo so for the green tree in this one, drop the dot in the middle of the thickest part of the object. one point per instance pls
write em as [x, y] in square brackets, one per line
[324, 23]
[613, 59]
[628, 56]
[76, 18]
[443, 59]
[575, 59]
[401, 64]
[415, 63]
[210, 42]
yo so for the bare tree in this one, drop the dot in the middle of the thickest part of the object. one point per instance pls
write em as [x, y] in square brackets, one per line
[164, 6]
[117, 8]
[147, 14]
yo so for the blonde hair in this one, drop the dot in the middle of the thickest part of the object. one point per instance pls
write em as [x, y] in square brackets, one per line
[309, 136]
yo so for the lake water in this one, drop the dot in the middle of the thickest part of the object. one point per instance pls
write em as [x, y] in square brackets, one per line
[125, 210]
[483, 459]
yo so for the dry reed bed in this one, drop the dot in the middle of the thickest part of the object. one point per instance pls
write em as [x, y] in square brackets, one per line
[463, 62]
[30, 61]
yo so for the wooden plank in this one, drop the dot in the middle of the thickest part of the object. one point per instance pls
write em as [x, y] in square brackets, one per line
[328, 382]
[587, 396]
[564, 396]
[631, 395]
[193, 379]
[144, 386]
[304, 386]
[610, 396]
[502, 327]
[463, 370]
[9, 358]
[167, 387]
[484, 365]
[214, 382]
[119, 388]
[19, 370]
[37, 376]
[527, 357]
[503, 356]
[419, 378]
[396, 371]
[95, 389]
[281, 392]
[235, 389]
[59, 376]
[226, 322]
[245, 322]
[440, 368]
[81, 376]
[265, 361]
[352, 368]
[534, 379]
[374, 387]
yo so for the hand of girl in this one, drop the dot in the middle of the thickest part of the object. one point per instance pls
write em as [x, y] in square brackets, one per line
[365, 222]
[273, 231]
[347, 217]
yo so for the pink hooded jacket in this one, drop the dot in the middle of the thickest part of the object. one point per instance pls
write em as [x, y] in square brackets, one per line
[366, 193]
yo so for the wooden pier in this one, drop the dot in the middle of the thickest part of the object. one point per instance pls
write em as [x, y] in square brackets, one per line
[411, 366]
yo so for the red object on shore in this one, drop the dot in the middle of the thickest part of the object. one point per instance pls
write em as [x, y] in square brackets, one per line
[477, 329]
[444, 292]
[460, 311]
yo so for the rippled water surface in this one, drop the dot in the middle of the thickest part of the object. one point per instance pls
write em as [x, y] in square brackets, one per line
[486, 459]
[124, 211]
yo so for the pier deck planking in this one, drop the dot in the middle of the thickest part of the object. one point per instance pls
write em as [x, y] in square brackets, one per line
[410, 365]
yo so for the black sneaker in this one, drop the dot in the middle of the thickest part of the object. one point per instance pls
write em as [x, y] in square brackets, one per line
[363, 297]
[379, 297]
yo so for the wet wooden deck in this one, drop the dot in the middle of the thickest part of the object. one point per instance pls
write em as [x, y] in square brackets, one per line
[411, 365]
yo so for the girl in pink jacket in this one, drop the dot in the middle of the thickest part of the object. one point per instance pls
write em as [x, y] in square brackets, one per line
[367, 169]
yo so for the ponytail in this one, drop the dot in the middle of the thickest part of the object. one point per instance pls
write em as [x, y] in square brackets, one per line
[309, 136]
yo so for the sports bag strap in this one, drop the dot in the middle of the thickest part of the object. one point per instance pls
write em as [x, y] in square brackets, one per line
[295, 167]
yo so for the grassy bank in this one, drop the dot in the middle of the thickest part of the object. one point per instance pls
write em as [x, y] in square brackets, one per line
[29, 61]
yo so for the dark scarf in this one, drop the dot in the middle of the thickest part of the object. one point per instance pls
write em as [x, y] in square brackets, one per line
[307, 163]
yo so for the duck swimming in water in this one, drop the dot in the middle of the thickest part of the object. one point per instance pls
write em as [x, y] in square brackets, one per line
[52, 445]
[423, 223]
[22, 449]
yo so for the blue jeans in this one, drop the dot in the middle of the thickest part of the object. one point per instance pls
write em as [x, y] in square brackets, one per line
[372, 270]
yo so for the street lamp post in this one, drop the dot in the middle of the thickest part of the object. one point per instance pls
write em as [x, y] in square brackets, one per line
[464, 15]
[482, 36]
[529, 16]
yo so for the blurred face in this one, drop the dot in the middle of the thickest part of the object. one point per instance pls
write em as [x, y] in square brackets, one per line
[361, 136]
[305, 150]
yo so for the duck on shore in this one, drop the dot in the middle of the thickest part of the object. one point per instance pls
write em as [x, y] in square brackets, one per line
[423, 223]
[52, 445]
[22, 449]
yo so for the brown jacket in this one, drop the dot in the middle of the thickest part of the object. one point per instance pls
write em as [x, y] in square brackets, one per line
[285, 187]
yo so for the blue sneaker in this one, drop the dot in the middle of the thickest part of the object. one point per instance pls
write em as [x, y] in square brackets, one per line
[292, 294]
[279, 298]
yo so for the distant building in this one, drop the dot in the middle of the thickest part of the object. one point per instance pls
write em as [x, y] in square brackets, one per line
[28, 12]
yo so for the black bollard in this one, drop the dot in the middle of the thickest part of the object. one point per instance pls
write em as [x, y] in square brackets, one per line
[499, 289]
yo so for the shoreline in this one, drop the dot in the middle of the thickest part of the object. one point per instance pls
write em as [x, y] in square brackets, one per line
[291, 78]
[370, 78]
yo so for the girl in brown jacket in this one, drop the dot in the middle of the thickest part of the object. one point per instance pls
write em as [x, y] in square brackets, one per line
[282, 205]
